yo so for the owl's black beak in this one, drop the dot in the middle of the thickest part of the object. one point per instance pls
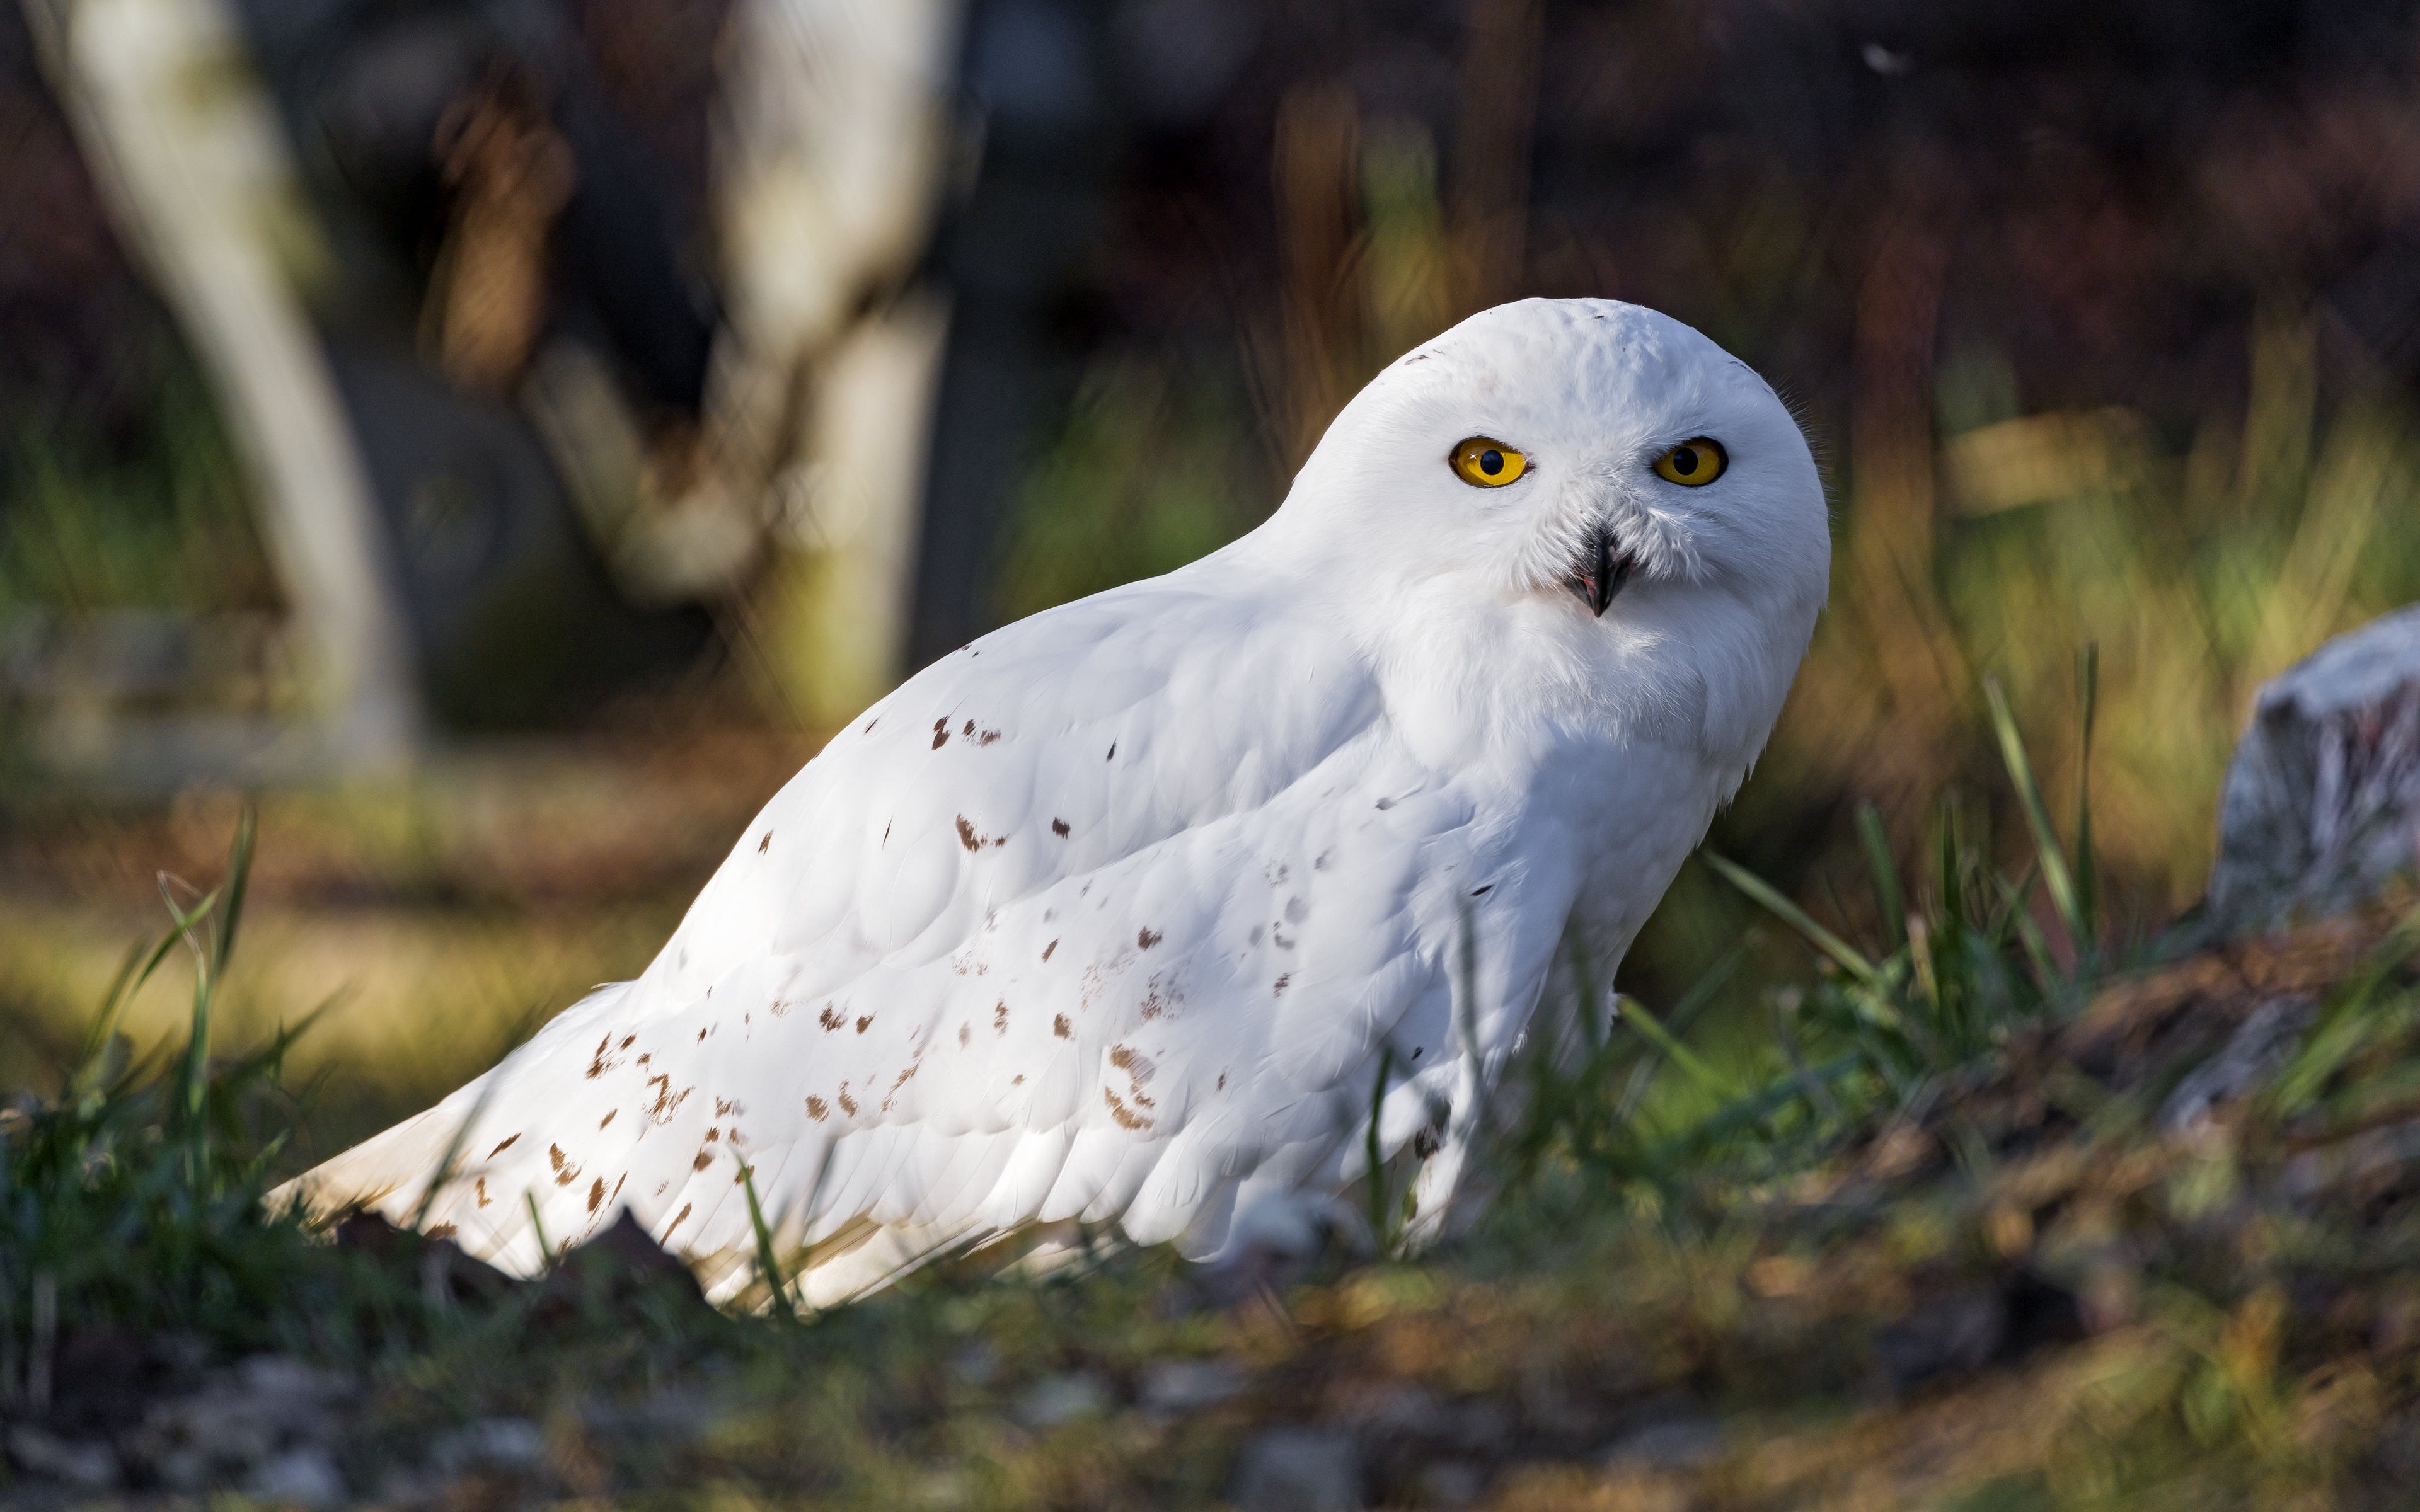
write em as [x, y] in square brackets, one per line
[1598, 573]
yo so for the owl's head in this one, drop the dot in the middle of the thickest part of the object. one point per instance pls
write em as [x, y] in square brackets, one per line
[1583, 451]
[1573, 504]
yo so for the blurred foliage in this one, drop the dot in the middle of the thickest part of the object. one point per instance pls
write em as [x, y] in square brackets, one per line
[150, 513]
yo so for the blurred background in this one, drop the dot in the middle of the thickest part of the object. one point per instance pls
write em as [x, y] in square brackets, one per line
[500, 437]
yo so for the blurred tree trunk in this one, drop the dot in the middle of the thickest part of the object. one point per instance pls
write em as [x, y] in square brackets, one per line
[186, 149]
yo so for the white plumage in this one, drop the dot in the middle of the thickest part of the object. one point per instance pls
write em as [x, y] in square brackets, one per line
[1111, 915]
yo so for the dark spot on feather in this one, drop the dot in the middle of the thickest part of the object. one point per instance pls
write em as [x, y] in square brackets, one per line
[1059, 828]
[501, 1149]
[479, 1190]
[1000, 1015]
[1426, 1143]
[885, 830]
[565, 1172]
[865, 1023]
[1482, 892]
[443, 1231]
[1048, 948]
[661, 1110]
[1160, 994]
[597, 1194]
[713, 1137]
[702, 1161]
[1126, 1118]
[745, 1172]
[725, 1110]
[970, 728]
[1321, 864]
[1059, 1026]
[678, 1219]
[1114, 752]
[871, 723]
[608, 1117]
[965, 1035]
[1223, 1081]
[701, 1036]
[987, 738]
[1145, 939]
[817, 1108]
[940, 735]
[1296, 910]
[848, 1103]
[1017, 1080]
[1279, 985]
[967, 838]
[765, 844]
[828, 1019]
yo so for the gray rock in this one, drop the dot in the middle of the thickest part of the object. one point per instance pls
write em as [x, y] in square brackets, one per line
[2259, 1047]
[1672, 1444]
[1057, 1399]
[246, 1415]
[1189, 1385]
[2322, 799]
[1453, 1483]
[491, 1443]
[88, 1467]
[304, 1477]
[1297, 1470]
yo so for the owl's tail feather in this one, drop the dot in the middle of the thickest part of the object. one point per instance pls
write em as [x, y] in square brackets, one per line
[394, 1173]
[398, 1163]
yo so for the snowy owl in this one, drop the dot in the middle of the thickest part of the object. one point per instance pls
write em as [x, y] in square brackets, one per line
[1118, 916]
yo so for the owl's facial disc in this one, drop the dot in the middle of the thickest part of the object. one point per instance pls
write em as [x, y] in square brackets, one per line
[1599, 568]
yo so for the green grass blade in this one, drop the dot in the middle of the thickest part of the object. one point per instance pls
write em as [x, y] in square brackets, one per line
[1948, 859]
[2029, 936]
[238, 874]
[2087, 864]
[2056, 878]
[1674, 1051]
[140, 962]
[1791, 914]
[546, 1254]
[1371, 1151]
[1888, 896]
[767, 1263]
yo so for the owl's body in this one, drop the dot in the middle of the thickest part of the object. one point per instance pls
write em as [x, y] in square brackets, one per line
[1114, 914]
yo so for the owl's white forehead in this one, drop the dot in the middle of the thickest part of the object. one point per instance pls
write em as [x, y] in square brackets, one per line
[1574, 359]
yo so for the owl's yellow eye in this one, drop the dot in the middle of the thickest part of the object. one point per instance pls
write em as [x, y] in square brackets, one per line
[1486, 463]
[1693, 464]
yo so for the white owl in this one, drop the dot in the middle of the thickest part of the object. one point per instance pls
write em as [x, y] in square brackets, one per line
[1115, 915]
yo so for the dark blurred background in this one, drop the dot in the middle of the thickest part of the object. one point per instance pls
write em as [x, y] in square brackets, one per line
[499, 437]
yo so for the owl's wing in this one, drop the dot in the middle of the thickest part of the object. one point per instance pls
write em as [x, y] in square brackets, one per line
[1108, 917]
